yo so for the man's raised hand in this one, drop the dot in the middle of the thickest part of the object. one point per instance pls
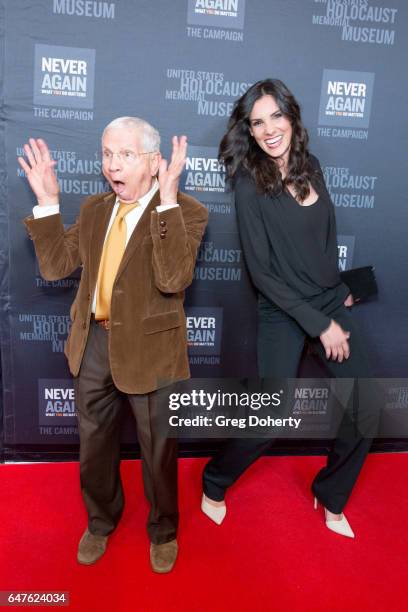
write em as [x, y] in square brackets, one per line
[40, 171]
[169, 174]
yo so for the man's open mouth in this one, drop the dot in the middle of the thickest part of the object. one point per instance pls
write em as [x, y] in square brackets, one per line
[118, 186]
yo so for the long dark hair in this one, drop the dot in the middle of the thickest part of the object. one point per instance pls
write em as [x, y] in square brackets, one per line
[238, 149]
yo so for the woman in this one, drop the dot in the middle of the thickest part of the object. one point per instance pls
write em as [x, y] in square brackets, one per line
[288, 233]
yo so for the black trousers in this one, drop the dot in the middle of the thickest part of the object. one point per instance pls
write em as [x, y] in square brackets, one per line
[100, 411]
[280, 345]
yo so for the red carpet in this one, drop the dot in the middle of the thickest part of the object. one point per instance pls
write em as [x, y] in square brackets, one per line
[272, 552]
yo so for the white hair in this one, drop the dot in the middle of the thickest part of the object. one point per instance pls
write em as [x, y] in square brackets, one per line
[150, 137]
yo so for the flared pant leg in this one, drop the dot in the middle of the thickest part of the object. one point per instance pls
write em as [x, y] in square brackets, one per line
[280, 345]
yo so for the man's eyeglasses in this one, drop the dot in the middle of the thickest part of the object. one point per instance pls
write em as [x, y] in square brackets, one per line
[126, 157]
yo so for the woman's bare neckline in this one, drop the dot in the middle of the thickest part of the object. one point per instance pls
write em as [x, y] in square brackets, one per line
[307, 204]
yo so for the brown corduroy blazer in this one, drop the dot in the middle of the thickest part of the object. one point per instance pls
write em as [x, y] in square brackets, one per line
[147, 337]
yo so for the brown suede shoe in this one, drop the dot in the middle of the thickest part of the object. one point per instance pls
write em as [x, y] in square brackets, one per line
[163, 556]
[91, 548]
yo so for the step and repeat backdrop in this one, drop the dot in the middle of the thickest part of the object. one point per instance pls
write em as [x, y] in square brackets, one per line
[71, 66]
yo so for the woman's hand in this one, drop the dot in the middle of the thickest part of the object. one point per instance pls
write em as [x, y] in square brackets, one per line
[40, 171]
[335, 342]
[349, 301]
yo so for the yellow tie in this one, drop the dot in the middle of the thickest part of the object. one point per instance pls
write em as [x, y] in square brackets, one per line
[112, 254]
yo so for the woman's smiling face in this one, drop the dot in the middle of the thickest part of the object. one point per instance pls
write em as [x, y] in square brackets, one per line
[270, 128]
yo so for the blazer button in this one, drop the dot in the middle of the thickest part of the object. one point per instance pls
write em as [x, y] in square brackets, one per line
[84, 325]
[163, 223]
[89, 297]
[162, 235]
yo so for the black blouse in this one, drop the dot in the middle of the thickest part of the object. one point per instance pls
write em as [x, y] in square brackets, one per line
[290, 250]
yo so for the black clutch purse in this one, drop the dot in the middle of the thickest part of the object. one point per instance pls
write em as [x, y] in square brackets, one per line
[361, 282]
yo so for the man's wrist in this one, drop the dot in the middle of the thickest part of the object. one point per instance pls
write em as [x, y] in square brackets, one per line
[168, 201]
[162, 207]
[48, 202]
[45, 211]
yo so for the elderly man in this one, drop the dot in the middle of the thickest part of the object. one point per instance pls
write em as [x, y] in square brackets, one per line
[137, 247]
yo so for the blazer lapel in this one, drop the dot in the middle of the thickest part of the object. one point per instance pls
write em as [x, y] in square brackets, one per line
[101, 217]
[141, 230]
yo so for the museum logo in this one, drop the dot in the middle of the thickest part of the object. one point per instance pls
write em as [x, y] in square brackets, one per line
[345, 248]
[84, 8]
[312, 400]
[217, 13]
[48, 328]
[350, 190]
[358, 21]
[219, 259]
[397, 397]
[211, 92]
[346, 98]
[204, 330]
[204, 175]
[56, 402]
[64, 76]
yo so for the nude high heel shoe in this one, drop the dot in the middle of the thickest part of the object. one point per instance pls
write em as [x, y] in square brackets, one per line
[342, 527]
[215, 513]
